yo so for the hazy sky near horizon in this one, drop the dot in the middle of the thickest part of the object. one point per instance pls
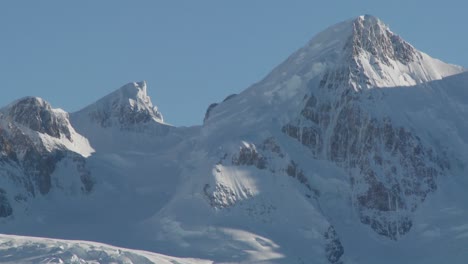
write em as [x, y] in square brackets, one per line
[191, 53]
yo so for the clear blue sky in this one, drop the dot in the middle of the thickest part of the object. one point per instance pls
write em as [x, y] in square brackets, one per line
[191, 53]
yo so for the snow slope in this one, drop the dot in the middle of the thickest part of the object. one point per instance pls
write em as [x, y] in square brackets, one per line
[353, 150]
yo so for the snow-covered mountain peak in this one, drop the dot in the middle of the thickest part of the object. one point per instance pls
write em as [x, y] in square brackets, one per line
[31, 121]
[371, 35]
[360, 53]
[349, 57]
[377, 57]
[38, 115]
[125, 107]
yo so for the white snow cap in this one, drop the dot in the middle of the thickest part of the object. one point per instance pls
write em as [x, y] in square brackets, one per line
[137, 97]
[127, 106]
[357, 54]
[376, 56]
[139, 100]
[134, 89]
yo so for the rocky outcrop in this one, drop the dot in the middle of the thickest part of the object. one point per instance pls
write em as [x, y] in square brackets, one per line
[37, 115]
[85, 174]
[333, 248]
[221, 196]
[28, 153]
[390, 168]
[7, 152]
[5, 207]
[249, 156]
[372, 36]
[267, 155]
[208, 111]
[294, 171]
[39, 166]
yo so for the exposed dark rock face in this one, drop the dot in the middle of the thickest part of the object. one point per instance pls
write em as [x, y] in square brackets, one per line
[126, 115]
[294, 171]
[7, 152]
[37, 115]
[229, 97]
[208, 111]
[390, 163]
[333, 247]
[308, 136]
[370, 35]
[372, 40]
[85, 174]
[389, 228]
[222, 196]
[129, 116]
[266, 156]
[39, 166]
[391, 167]
[5, 207]
[270, 144]
[26, 161]
[398, 170]
[35, 163]
[249, 156]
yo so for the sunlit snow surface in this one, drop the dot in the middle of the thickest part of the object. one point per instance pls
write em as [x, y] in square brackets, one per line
[35, 250]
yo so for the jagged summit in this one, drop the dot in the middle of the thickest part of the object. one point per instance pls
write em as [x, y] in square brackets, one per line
[32, 122]
[37, 114]
[371, 35]
[357, 54]
[364, 34]
[127, 106]
[364, 53]
[135, 91]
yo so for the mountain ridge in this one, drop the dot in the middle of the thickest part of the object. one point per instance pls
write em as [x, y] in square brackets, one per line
[341, 147]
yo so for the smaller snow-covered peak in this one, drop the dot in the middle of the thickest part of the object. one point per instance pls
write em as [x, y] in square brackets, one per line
[38, 115]
[28, 102]
[125, 107]
[49, 128]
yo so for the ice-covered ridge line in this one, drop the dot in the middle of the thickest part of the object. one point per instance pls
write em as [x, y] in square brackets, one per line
[22, 249]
